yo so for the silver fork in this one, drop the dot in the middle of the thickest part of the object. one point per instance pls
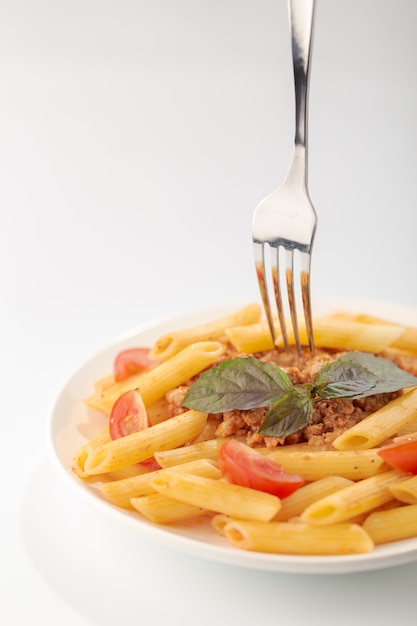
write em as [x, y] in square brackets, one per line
[285, 221]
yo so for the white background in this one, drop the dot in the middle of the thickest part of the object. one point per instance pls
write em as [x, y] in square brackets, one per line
[136, 139]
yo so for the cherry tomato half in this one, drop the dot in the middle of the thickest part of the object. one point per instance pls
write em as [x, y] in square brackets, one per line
[244, 466]
[401, 454]
[128, 415]
[131, 361]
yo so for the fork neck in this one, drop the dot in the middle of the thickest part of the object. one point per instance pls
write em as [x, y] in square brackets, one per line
[298, 173]
[301, 14]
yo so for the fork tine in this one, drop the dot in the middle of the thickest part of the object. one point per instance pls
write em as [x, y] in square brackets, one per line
[289, 274]
[278, 298]
[306, 298]
[259, 254]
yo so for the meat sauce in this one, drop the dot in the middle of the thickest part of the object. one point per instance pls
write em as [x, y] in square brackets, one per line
[330, 417]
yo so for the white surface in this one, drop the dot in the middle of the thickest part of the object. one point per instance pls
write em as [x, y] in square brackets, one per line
[137, 138]
[72, 425]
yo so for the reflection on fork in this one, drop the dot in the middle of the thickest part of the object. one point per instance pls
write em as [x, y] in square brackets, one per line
[285, 221]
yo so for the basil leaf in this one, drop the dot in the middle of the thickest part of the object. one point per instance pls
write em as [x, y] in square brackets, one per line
[290, 413]
[242, 383]
[389, 377]
[344, 380]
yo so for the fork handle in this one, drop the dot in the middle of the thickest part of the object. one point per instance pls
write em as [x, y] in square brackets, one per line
[301, 13]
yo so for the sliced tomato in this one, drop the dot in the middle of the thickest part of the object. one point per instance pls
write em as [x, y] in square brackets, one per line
[128, 415]
[401, 454]
[131, 361]
[242, 465]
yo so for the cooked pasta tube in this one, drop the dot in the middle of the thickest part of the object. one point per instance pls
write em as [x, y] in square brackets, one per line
[158, 411]
[406, 490]
[298, 538]
[120, 492]
[294, 504]
[169, 344]
[381, 425]
[314, 464]
[407, 340]
[392, 525]
[409, 430]
[219, 522]
[131, 471]
[363, 496]
[104, 382]
[85, 450]
[355, 335]
[163, 510]
[156, 382]
[143, 444]
[203, 450]
[328, 333]
[252, 338]
[217, 495]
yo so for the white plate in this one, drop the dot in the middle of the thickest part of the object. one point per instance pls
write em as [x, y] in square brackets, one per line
[72, 424]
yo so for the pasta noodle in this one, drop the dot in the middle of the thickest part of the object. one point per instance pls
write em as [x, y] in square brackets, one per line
[217, 495]
[168, 345]
[86, 450]
[140, 445]
[203, 450]
[163, 510]
[406, 340]
[294, 504]
[298, 538]
[406, 490]
[381, 425]
[362, 496]
[120, 492]
[313, 465]
[328, 332]
[392, 525]
[156, 382]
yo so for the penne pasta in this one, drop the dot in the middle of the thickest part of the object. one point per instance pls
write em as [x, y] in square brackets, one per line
[120, 492]
[355, 335]
[252, 338]
[328, 333]
[314, 464]
[87, 449]
[203, 450]
[141, 445]
[171, 343]
[294, 504]
[353, 500]
[392, 525]
[130, 471]
[163, 510]
[158, 411]
[406, 340]
[381, 425]
[217, 495]
[219, 522]
[156, 382]
[297, 538]
[406, 490]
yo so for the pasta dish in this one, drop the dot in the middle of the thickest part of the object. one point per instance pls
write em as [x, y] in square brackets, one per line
[283, 453]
